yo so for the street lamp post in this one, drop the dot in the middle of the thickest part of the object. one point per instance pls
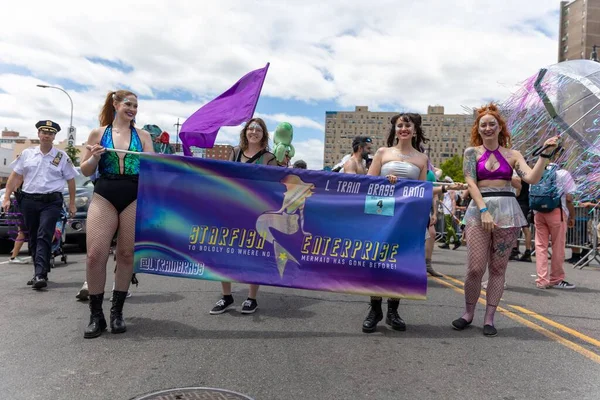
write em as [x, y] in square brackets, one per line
[71, 130]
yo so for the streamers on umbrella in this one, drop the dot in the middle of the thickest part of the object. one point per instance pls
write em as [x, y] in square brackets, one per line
[562, 99]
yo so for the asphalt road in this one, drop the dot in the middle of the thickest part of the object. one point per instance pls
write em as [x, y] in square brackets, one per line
[300, 344]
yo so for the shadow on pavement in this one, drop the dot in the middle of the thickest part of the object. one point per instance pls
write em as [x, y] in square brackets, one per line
[148, 329]
[532, 291]
[57, 285]
[138, 298]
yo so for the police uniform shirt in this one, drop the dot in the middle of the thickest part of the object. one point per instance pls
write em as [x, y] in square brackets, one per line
[44, 173]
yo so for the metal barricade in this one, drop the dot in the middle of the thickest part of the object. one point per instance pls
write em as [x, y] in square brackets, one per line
[440, 226]
[582, 236]
[586, 237]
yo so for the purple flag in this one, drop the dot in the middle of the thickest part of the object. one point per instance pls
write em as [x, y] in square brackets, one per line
[231, 108]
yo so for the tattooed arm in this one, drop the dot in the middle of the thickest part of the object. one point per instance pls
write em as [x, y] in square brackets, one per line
[533, 175]
[526, 173]
[470, 172]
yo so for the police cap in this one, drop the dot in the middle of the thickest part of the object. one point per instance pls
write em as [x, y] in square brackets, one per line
[48, 126]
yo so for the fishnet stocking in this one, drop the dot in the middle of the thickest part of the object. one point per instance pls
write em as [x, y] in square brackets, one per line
[485, 248]
[102, 223]
[125, 245]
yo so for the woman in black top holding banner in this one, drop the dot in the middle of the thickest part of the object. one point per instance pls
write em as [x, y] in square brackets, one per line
[253, 149]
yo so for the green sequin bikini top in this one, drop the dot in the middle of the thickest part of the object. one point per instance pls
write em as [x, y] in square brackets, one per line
[110, 162]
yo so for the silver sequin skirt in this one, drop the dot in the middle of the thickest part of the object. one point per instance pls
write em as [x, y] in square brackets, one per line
[505, 210]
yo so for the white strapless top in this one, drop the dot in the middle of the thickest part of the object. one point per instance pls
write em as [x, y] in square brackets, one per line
[401, 169]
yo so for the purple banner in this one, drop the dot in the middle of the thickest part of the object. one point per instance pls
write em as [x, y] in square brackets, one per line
[225, 221]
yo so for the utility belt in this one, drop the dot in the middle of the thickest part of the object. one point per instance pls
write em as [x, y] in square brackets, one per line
[43, 197]
[498, 194]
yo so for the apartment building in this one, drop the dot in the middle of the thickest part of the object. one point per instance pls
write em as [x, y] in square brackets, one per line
[579, 29]
[448, 134]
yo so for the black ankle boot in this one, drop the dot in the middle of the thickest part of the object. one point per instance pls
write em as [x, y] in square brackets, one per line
[375, 315]
[392, 318]
[117, 324]
[97, 321]
[526, 256]
[514, 254]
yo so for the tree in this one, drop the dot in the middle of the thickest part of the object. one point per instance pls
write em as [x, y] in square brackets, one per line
[453, 168]
[72, 152]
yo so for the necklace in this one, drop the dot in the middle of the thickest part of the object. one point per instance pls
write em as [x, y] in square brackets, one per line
[403, 156]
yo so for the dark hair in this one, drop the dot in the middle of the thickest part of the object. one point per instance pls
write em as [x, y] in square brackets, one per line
[107, 115]
[417, 140]
[360, 141]
[264, 142]
[300, 164]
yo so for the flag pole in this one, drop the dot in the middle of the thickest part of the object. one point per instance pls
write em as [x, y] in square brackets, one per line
[261, 86]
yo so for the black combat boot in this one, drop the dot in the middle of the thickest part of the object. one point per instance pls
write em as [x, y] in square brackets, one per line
[117, 325]
[97, 320]
[375, 315]
[392, 318]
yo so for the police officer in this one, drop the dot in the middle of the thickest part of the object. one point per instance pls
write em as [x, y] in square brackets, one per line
[42, 171]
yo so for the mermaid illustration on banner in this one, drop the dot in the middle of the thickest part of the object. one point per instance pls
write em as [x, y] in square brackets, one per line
[285, 220]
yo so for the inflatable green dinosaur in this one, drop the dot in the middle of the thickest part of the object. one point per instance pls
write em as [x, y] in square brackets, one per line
[284, 134]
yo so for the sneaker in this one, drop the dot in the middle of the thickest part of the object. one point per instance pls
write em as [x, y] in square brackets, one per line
[445, 246]
[222, 305]
[543, 286]
[249, 306]
[83, 293]
[564, 285]
[17, 260]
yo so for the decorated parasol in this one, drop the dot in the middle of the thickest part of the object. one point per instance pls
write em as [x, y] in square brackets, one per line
[562, 99]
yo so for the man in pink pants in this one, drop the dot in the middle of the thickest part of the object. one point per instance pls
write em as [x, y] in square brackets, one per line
[554, 224]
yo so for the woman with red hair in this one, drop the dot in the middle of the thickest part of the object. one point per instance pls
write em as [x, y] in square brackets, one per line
[493, 218]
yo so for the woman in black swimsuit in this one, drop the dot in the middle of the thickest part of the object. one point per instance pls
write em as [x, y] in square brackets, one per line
[113, 204]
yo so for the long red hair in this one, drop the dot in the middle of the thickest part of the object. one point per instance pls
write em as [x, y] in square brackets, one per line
[503, 136]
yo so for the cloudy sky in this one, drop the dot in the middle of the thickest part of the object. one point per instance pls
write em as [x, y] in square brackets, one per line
[324, 55]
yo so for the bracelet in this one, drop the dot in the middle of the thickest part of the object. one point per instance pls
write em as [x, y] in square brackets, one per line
[484, 209]
[543, 155]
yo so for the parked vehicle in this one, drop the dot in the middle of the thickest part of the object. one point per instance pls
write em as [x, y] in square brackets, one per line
[75, 232]
[7, 228]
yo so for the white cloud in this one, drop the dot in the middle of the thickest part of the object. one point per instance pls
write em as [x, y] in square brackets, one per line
[387, 54]
[310, 151]
[296, 121]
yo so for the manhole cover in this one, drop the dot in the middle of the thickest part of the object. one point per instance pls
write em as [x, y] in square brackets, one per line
[194, 393]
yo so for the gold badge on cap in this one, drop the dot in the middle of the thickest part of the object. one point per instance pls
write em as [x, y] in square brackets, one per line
[48, 123]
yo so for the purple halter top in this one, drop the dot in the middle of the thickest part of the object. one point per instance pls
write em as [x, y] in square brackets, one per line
[504, 171]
